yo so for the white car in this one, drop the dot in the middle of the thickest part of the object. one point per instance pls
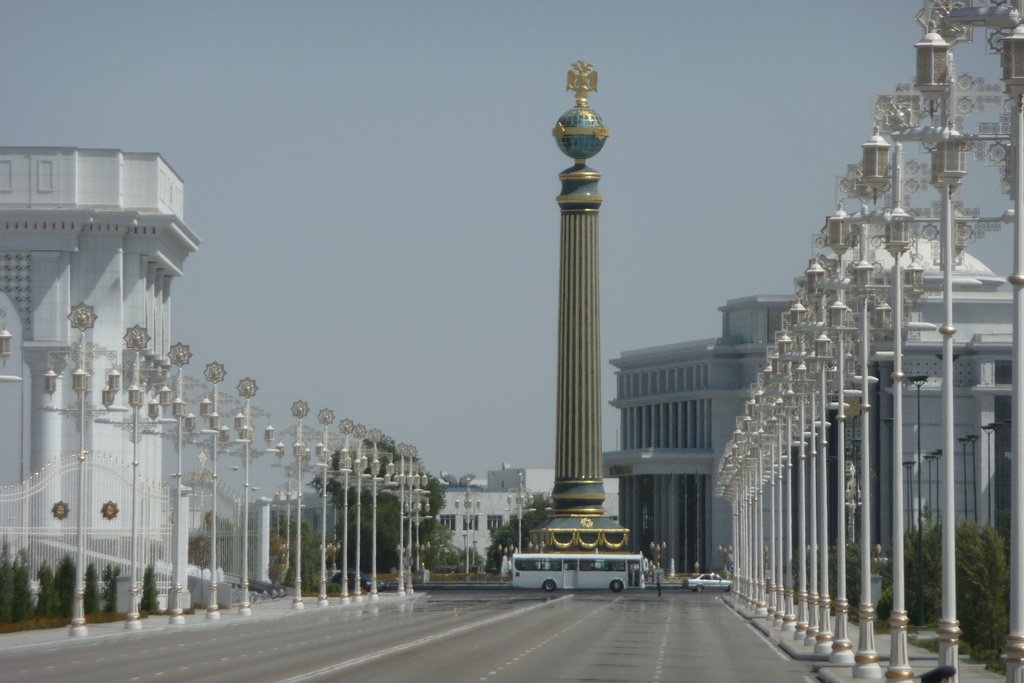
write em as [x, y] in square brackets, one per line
[708, 581]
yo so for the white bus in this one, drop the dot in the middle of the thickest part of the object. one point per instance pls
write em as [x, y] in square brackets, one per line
[577, 571]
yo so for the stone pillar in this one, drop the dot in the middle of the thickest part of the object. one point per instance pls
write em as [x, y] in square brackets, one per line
[578, 521]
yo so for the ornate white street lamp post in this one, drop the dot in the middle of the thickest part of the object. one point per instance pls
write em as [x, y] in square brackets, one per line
[323, 456]
[374, 436]
[179, 355]
[82, 318]
[359, 431]
[214, 374]
[137, 339]
[346, 467]
[299, 410]
[246, 389]
[897, 241]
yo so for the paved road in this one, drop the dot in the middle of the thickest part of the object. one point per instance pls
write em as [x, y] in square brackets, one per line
[448, 636]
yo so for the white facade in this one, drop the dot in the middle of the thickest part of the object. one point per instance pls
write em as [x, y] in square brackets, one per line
[103, 227]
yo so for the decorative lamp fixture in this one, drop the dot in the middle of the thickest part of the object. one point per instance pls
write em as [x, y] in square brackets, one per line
[837, 232]
[5, 344]
[932, 66]
[50, 382]
[814, 273]
[1013, 62]
[898, 232]
[154, 410]
[837, 316]
[881, 317]
[874, 165]
[80, 380]
[949, 163]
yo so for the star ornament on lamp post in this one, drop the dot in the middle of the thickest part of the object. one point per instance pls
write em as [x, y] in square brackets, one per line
[82, 317]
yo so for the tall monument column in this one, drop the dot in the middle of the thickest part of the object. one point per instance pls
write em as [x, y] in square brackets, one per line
[577, 521]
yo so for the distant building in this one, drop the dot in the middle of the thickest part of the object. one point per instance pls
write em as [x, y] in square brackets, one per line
[493, 504]
[678, 403]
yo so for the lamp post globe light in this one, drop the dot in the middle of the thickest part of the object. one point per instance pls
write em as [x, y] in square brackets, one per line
[247, 389]
[214, 374]
[323, 457]
[179, 355]
[82, 318]
[299, 410]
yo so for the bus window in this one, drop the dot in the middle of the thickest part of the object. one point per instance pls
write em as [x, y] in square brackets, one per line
[570, 565]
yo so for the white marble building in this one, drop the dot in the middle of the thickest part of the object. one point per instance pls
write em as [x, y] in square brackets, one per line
[99, 226]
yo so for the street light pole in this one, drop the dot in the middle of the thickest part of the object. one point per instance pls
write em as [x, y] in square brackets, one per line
[374, 436]
[359, 431]
[179, 355]
[918, 381]
[137, 339]
[1013, 77]
[299, 410]
[82, 318]
[989, 430]
[326, 418]
[214, 374]
[246, 389]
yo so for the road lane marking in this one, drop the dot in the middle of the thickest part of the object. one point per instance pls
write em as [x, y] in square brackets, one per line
[416, 643]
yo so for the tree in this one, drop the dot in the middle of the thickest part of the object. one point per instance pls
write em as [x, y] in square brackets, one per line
[64, 582]
[21, 595]
[149, 592]
[983, 579]
[507, 535]
[46, 601]
[92, 589]
[6, 584]
[110, 575]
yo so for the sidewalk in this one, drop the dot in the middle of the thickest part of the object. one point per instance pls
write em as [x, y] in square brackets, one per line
[58, 638]
[921, 660]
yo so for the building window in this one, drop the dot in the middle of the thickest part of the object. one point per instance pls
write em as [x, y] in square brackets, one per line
[448, 521]
[494, 521]
[1004, 372]
[471, 522]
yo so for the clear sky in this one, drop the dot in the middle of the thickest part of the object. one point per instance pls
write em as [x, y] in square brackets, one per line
[374, 182]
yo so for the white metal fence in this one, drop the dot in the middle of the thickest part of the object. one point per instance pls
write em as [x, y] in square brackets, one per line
[38, 516]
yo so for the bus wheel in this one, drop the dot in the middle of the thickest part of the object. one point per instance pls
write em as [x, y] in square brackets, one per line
[616, 586]
[549, 585]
